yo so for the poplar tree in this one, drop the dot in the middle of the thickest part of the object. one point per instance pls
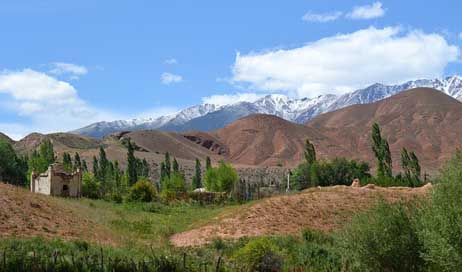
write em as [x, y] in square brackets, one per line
[77, 161]
[175, 166]
[208, 163]
[197, 179]
[382, 153]
[310, 152]
[168, 165]
[131, 164]
[95, 166]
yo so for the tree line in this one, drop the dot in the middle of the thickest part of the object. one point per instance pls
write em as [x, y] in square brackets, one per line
[341, 171]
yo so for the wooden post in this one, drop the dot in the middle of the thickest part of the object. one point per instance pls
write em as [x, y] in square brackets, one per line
[217, 269]
[102, 260]
[4, 260]
[184, 261]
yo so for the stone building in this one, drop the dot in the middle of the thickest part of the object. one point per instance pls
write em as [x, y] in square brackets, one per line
[57, 182]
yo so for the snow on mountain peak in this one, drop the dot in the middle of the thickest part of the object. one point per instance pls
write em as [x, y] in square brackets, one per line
[297, 110]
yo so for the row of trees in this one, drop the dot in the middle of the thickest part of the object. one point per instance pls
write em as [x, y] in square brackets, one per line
[338, 171]
[341, 171]
[410, 165]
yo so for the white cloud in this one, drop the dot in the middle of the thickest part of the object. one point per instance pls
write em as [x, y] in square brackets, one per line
[460, 35]
[374, 10]
[171, 61]
[321, 17]
[48, 104]
[169, 78]
[74, 70]
[228, 99]
[346, 62]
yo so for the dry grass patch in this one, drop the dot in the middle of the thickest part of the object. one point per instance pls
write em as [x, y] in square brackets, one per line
[325, 209]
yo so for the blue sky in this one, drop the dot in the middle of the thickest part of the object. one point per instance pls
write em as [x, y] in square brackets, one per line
[65, 64]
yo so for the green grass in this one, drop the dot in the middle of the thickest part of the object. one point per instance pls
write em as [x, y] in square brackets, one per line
[142, 225]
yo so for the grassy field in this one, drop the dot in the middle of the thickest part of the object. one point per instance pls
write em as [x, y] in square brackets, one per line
[146, 224]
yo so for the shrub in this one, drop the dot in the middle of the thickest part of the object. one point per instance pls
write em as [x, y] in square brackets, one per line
[441, 222]
[142, 190]
[339, 171]
[117, 197]
[260, 254]
[382, 239]
[90, 186]
[317, 252]
[221, 179]
[173, 186]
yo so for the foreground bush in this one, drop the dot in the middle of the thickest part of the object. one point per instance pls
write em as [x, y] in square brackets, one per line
[382, 239]
[441, 224]
[260, 254]
[142, 190]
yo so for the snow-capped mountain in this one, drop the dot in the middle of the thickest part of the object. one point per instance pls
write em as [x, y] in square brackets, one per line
[210, 117]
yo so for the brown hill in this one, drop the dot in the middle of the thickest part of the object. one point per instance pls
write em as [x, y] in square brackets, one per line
[267, 140]
[423, 120]
[325, 209]
[27, 214]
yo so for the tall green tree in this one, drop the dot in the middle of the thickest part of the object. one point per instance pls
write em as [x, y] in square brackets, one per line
[382, 152]
[405, 163]
[67, 162]
[310, 152]
[175, 166]
[13, 169]
[208, 163]
[415, 167]
[84, 166]
[168, 165]
[117, 175]
[197, 179]
[77, 162]
[131, 164]
[95, 166]
[103, 165]
[47, 152]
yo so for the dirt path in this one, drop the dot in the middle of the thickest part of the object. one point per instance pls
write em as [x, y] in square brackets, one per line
[324, 209]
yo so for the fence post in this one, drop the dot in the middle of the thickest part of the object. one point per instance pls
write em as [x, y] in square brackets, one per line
[4, 260]
[102, 260]
[184, 261]
[55, 257]
[217, 269]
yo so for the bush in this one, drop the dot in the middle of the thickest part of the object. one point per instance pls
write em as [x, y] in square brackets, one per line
[317, 253]
[382, 239]
[441, 222]
[173, 186]
[90, 186]
[142, 190]
[339, 171]
[221, 179]
[260, 254]
[117, 197]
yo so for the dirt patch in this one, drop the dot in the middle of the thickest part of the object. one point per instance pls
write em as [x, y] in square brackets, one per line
[324, 209]
[24, 214]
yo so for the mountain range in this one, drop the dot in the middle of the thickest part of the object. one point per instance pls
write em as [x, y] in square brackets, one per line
[208, 117]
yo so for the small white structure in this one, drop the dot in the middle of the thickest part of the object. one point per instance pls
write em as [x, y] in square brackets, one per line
[57, 182]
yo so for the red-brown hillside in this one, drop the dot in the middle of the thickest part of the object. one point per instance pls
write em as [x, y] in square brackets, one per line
[269, 140]
[423, 120]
